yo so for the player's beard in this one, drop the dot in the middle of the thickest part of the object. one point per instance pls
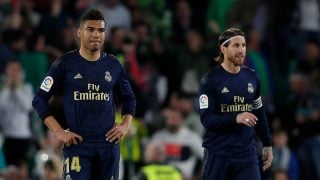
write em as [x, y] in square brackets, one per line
[237, 60]
[95, 47]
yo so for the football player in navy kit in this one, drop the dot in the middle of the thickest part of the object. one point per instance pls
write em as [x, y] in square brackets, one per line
[231, 111]
[88, 80]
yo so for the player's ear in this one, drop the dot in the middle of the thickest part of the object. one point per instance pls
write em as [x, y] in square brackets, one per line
[79, 32]
[222, 49]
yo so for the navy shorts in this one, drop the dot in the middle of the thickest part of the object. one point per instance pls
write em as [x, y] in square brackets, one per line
[91, 163]
[219, 167]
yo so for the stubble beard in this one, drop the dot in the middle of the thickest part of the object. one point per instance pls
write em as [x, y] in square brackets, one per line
[236, 60]
[93, 48]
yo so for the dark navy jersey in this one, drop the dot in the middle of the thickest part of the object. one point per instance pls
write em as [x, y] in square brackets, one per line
[222, 96]
[87, 89]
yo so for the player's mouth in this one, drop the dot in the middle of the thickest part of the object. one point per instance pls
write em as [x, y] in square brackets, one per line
[95, 42]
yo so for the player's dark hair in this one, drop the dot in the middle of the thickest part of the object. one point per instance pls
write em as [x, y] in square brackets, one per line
[92, 14]
[223, 40]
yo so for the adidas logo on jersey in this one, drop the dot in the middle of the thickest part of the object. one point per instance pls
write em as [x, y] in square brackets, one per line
[77, 76]
[224, 90]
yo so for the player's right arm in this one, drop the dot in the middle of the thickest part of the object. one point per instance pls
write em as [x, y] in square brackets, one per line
[66, 136]
[207, 106]
[50, 85]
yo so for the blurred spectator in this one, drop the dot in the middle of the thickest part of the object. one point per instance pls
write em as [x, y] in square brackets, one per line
[15, 107]
[15, 41]
[69, 42]
[279, 38]
[193, 61]
[136, 12]
[242, 13]
[115, 43]
[154, 8]
[181, 21]
[162, 55]
[284, 158]
[182, 146]
[32, 17]
[307, 113]
[155, 168]
[302, 109]
[34, 60]
[191, 117]
[307, 21]
[309, 158]
[52, 24]
[13, 173]
[50, 171]
[280, 174]
[13, 31]
[115, 14]
[217, 13]
[6, 55]
[80, 6]
[149, 86]
[304, 103]
[153, 12]
[49, 159]
[14, 20]
[310, 62]
[131, 147]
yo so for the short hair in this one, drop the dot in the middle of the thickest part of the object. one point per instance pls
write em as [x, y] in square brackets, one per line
[223, 40]
[92, 14]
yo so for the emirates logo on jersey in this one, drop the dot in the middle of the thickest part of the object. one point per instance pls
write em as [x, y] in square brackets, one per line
[108, 76]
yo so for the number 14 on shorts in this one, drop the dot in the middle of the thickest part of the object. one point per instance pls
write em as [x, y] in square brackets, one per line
[73, 166]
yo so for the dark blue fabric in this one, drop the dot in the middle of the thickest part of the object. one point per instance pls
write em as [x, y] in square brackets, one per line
[94, 163]
[220, 167]
[229, 94]
[83, 85]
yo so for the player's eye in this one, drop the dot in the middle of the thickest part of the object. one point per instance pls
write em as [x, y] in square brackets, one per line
[90, 29]
[101, 30]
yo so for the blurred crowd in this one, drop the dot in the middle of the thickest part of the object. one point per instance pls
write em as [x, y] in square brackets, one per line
[166, 46]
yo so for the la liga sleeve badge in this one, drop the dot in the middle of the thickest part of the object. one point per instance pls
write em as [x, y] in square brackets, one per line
[203, 101]
[47, 84]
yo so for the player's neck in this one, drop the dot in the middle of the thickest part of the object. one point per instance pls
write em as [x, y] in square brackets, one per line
[89, 55]
[230, 67]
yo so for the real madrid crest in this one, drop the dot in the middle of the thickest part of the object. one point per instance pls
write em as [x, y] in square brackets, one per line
[250, 88]
[68, 177]
[108, 76]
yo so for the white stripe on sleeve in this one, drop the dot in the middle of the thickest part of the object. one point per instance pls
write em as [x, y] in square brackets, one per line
[257, 103]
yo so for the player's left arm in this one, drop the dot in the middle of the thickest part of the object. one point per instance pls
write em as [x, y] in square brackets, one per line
[128, 105]
[262, 129]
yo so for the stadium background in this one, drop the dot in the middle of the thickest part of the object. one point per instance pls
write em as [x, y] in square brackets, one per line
[166, 45]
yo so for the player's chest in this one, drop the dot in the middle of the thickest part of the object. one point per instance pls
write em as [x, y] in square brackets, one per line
[91, 79]
[236, 91]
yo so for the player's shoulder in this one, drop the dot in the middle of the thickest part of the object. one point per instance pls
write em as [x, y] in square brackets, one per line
[248, 70]
[70, 55]
[110, 58]
[216, 72]
[65, 58]
[211, 75]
